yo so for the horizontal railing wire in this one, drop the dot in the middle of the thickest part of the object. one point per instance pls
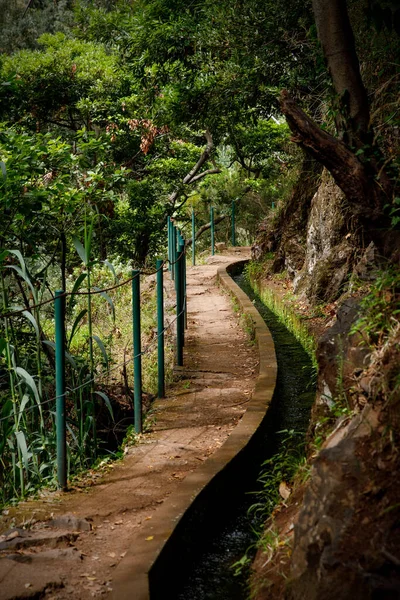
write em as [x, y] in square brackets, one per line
[91, 292]
[69, 391]
[96, 380]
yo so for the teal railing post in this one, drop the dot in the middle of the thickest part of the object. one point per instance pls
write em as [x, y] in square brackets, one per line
[212, 230]
[59, 309]
[179, 308]
[137, 351]
[193, 239]
[184, 286]
[180, 238]
[173, 250]
[233, 224]
[160, 329]
[169, 227]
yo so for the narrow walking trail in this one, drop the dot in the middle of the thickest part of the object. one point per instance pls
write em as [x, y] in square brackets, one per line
[69, 545]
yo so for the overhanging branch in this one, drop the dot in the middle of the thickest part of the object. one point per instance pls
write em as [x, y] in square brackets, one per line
[348, 172]
[204, 228]
[194, 174]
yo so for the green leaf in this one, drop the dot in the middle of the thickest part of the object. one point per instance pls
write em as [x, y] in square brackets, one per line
[102, 348]
[80, 250]
[68, 356]
[21, 441]
[72, 433]
[108, 299]
[18, 254]
[33, 321]
[24, 402]
[3, 345]
[28, 379]
[107, 402]
[71, 360]
[76, 287]
[25, 277]
[110, 267]
[75, 325]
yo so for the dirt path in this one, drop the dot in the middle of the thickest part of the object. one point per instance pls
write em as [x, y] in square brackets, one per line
[75, 554]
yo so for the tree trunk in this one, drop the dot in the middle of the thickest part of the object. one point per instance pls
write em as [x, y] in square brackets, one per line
[337, 40]
[361, 177]
[363, 193]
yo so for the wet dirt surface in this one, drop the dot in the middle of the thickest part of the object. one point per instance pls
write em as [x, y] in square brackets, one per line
[75, 554]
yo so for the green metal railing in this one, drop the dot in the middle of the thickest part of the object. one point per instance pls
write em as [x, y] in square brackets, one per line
[176, 266]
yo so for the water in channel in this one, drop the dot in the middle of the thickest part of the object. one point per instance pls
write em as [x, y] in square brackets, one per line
[230, 529]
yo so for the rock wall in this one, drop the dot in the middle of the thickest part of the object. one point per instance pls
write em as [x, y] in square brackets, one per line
[314, 238]
[329, 249]
[346, 540]
[343, 525]
[284, 232]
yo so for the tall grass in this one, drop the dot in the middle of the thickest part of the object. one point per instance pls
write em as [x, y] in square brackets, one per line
[98, 354]
[284, 312]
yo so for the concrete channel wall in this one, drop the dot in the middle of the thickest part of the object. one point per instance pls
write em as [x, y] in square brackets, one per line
[149, 570]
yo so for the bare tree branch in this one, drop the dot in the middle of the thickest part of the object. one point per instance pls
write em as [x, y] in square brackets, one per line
[204, 228]
[194, 174]
[205, 173]
[27, 6]
[348, 172]
[203, 158]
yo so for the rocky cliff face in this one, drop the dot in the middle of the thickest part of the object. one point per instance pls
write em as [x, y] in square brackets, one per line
[313, 239]
[329, 248]
[346, 542]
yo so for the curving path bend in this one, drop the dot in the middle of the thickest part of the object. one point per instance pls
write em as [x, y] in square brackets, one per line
[102, 540]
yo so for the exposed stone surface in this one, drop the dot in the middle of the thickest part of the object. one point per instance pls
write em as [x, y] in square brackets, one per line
[339, 354]
[313, 238]
[26, 539]
[329, 249]
[345, 534]
[70, 523]
[347, 528]
[285, 233]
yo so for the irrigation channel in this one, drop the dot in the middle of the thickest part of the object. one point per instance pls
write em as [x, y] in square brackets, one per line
[227, 529]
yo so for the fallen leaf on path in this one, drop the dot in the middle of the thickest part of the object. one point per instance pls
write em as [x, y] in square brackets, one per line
[111, 554]
[28, 585]
[151, 537]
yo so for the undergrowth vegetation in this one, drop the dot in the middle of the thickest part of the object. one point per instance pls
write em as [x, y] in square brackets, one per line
[99, 376]
[282, 308]
[279, 477]
[380, 308]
